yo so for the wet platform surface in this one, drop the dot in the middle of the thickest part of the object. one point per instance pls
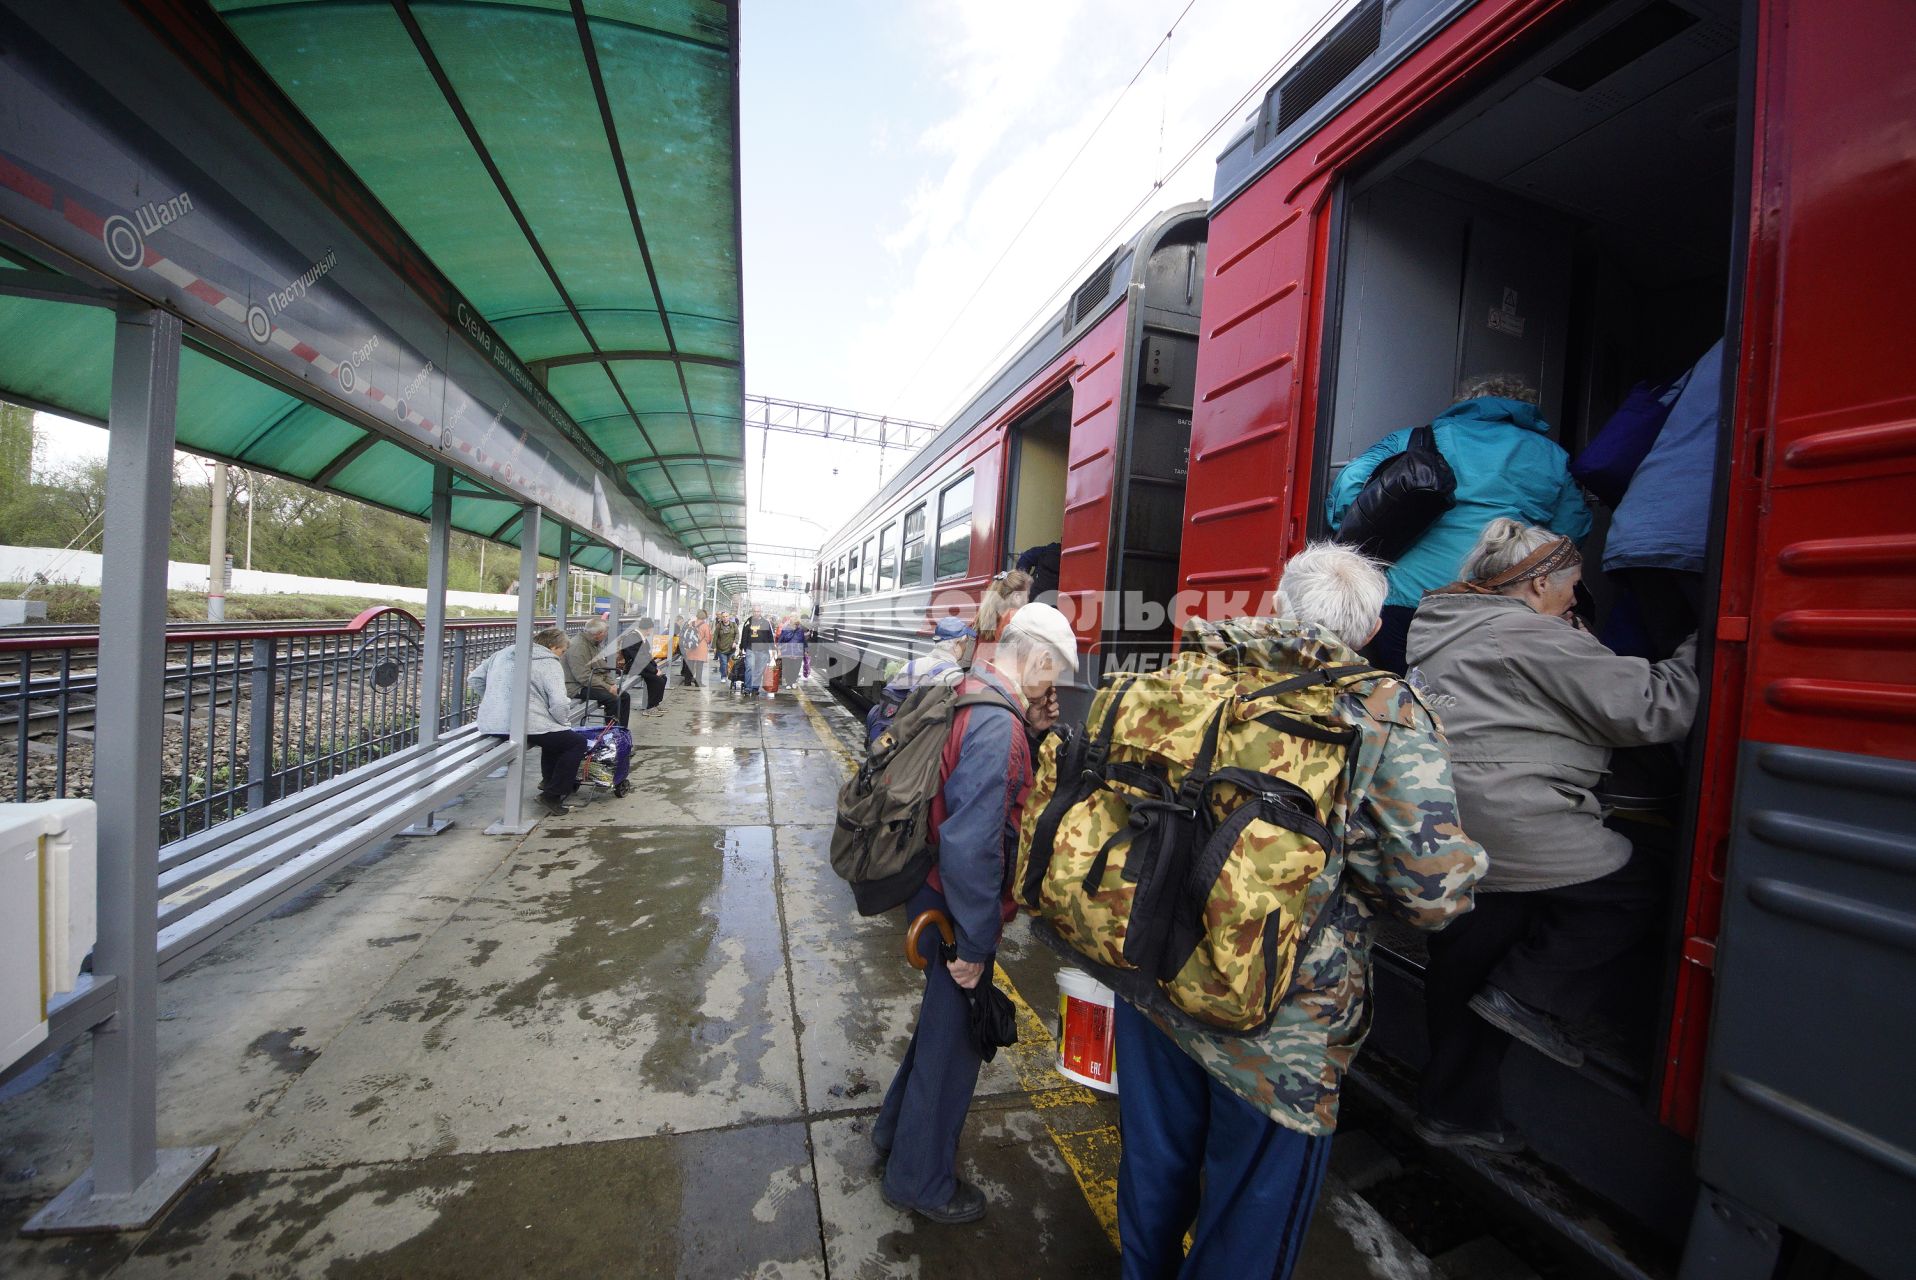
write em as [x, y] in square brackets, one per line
[646, 1039]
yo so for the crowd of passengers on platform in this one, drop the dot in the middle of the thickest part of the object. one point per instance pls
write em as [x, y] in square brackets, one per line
[1512, 790]
[581, 686]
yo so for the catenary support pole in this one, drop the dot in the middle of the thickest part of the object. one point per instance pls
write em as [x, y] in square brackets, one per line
[512, 819]
[432, 674]
[131, 1181]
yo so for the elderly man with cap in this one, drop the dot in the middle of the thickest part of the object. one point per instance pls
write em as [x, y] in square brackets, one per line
[589, 672]
[952, 642]
[986, 773]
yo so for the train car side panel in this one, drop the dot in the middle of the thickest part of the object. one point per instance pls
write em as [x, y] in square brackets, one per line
[1244, 425]
[1805, 1111]
[1252, 434]
[1097, 413]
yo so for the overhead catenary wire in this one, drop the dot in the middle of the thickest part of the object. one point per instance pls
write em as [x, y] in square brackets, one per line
[1023, 330]
[1038, 208]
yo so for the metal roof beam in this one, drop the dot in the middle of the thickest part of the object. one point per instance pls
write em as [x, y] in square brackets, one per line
[51, 286]
[591, 52]
[587, 357]
[484, 155]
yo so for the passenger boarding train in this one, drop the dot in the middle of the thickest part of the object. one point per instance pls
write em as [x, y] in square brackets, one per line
[1587, 193]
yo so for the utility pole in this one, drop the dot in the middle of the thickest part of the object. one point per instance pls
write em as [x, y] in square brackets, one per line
[216, 551]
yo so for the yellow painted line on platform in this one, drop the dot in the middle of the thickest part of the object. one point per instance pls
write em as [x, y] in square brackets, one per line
[1069, 1112]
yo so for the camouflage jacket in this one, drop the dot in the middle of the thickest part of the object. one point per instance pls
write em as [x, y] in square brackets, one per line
[1404, 853]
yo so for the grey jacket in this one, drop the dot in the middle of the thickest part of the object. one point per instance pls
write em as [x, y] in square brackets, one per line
[547, 706]
[1532, 707]
[588, 662]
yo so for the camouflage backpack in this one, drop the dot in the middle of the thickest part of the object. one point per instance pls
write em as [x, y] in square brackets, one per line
[1174, 846]
[881, 844]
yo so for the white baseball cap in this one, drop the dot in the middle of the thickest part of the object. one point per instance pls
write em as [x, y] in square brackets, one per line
[1042, 622]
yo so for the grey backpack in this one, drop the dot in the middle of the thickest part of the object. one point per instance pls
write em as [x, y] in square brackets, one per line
[881, 845]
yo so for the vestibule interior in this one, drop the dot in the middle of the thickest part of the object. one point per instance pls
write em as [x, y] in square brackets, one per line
[1572, 224]
[1040, 444]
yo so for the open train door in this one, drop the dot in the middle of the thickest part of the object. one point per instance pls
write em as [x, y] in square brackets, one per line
[1807, 1117]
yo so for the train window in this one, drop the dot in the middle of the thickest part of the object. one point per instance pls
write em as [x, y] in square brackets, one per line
[867, 566]
[888, 558]
[852, 566]
[954, 528]
[911, 565]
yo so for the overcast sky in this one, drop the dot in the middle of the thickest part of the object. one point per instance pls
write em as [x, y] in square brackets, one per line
[891, 153]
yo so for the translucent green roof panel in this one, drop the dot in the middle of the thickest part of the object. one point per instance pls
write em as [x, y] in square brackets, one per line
[580, 191]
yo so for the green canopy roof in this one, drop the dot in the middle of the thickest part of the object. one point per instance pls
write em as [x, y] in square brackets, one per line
[571, 171]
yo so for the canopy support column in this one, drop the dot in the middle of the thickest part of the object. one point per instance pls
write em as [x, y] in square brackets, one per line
[612, 624]
[563, 583]
[131, 1182]
[432, 673]
[512, 819]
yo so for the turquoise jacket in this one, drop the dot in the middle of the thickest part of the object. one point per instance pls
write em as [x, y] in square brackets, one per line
[1506, 465]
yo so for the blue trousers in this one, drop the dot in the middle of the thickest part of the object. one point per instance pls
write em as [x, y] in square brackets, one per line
[1199, 1158]
[925, 1108]
[754, 669]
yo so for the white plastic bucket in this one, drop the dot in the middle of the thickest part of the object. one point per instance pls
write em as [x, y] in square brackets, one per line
[1087, 1033]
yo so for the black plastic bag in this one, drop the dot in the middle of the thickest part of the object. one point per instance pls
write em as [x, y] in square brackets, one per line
[993, 1022]
[1402, 498]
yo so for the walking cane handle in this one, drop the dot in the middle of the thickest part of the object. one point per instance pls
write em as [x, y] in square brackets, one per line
[933, 916]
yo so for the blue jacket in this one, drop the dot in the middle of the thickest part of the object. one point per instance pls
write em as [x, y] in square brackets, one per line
[1663, 521]
[977, 814]
[1506, 465]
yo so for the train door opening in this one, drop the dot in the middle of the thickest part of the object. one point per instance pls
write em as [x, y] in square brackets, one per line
[1034, 490]
[1571, 225]
[1148, 520]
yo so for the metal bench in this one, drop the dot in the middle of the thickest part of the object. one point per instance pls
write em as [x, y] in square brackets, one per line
[231, 875]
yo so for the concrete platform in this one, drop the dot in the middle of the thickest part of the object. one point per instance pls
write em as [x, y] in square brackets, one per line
[646, 1039]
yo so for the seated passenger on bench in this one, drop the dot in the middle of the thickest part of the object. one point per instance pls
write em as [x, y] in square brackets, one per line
[1533, 706]
[590, 673]
[550, 714]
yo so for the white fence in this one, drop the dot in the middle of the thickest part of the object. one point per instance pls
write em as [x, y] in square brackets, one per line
[22, 564]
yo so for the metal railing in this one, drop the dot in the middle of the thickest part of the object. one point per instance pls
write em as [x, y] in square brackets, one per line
[251, 714]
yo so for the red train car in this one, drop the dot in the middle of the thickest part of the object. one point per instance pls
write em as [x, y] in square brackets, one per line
[1590, 193]
[1080, 440]
[1586, 192]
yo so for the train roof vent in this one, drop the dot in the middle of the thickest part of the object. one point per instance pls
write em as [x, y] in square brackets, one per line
[1325, 67]
[1621, 45]
[1091, 292]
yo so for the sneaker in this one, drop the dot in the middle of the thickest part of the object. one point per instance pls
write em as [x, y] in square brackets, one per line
[967, 1204]
[1532, 1026]
[1503, 1140]
[553, 805]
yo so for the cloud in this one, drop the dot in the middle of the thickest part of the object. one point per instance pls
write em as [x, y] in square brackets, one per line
[968, 111]
[1028, 84]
